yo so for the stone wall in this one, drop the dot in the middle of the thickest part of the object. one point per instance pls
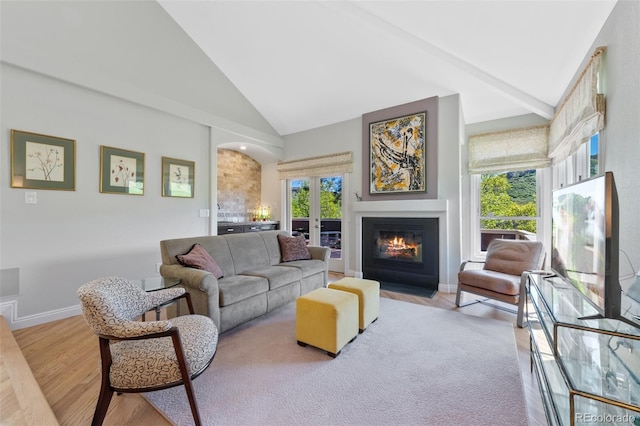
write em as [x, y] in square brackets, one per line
[239, 185]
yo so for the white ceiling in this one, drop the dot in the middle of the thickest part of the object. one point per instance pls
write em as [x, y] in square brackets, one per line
[307, 64]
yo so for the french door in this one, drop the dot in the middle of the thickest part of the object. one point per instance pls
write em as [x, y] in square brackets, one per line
[315, 206]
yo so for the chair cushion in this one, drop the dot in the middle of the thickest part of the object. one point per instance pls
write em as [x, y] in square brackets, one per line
[151, 363]
[513, 257]
[491, 280]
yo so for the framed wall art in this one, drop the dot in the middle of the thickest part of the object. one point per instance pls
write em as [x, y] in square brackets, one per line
[177, 177]
[42, 161]
[121, 171]
[388, 173]
[397, 149]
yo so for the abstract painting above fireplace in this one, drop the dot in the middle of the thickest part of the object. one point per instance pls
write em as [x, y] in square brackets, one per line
[401, 253]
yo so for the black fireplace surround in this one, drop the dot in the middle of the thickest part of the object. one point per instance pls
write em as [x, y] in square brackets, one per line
[401, 253]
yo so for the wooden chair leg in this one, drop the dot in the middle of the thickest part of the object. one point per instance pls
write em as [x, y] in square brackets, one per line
[102, 406]
[192, 401]
[106, 392]
[177, 344]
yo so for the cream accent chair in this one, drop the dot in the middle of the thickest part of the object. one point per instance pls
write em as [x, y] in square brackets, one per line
[142, 356]
[504, 274]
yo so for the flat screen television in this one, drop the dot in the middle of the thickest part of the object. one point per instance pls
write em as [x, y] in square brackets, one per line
[585, 243]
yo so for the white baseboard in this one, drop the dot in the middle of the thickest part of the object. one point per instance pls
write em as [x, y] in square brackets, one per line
[9, 310]
[447, 288]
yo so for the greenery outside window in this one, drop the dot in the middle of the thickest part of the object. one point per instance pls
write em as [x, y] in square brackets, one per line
[508, 206]
[330, 198]
[593, 147]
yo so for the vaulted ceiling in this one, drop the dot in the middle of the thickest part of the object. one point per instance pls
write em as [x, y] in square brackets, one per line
[307, 64]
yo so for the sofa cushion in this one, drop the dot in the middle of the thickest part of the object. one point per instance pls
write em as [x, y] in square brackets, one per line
[248, 251]
[278, 276]
[198, 257]
[239, 287]
[270, 239]
[307, 267]
[293, 248]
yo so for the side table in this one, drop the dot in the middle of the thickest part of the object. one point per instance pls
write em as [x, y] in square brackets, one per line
[156, 283]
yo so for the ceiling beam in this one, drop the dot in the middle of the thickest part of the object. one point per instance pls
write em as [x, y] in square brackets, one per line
[357, 10]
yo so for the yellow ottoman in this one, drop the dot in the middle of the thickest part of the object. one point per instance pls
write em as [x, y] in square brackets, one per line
[368, 292]
[326, 319]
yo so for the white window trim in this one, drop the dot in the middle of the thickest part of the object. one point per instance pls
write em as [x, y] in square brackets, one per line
[543, 226]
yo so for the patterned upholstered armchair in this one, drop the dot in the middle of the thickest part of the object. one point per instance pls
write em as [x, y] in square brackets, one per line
[504, 274]
[142, 356]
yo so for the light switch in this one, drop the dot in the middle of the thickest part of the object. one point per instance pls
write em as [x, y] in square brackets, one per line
[204, 212]
[31, 198]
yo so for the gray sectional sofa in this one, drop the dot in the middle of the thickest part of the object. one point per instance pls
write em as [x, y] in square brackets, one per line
[255, 280]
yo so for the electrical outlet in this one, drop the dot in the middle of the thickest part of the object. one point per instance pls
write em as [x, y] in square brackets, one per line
[31, 198]
[158, 265]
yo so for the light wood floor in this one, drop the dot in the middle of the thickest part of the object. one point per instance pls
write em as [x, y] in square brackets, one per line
[64, 358]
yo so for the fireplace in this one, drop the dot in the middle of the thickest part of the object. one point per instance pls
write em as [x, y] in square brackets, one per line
[401, 253]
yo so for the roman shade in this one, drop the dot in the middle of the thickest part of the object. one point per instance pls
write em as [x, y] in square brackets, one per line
[509, 150]
[581, 115]
[316, 166]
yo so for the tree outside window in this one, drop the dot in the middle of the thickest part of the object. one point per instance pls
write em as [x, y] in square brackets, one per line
[508, 203]
[330, 198]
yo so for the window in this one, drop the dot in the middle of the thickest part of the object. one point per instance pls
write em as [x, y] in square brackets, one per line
[508, 206]
[585, 163]
[594, 155]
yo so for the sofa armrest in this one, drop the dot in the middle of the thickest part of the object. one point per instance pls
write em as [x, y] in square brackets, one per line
[320, 253]
[203, 287]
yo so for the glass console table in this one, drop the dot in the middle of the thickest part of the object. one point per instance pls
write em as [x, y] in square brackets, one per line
[156, 283]
[588, 370]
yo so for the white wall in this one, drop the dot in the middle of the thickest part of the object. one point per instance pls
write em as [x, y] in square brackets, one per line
[450, 138]
[86, 71]
[621, 136]
[339, 137]
[127, 48]
[70, 237]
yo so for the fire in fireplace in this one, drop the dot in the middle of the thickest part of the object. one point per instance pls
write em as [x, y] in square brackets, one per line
[401, 253]
[394, 245]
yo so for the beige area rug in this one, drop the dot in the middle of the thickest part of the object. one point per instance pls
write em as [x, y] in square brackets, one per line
[415, 365]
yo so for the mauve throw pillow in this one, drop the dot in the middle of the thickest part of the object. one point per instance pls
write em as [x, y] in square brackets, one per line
[293, 248]
[198, 257]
